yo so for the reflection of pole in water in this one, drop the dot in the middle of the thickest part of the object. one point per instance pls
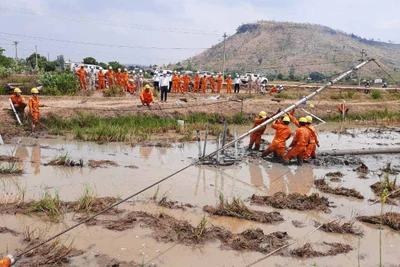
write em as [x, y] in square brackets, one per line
[204, 180]
[198, 181]
[35, 159]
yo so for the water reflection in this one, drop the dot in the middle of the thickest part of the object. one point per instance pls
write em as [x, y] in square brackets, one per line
[36, 159]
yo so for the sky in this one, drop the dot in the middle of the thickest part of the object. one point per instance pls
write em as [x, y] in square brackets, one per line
[167, 31]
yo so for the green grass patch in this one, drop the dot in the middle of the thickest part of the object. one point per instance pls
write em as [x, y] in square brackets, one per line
[384, 115]
[285, 96]
[376, 94]
[114, 91]
[49, 204]
[11, 168]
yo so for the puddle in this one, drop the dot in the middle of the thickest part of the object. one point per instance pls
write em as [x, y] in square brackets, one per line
[201, 186]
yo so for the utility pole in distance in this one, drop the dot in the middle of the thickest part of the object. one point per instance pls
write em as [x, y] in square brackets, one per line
[223, 68]
[36, 65]
[16, 50]
[359, 70]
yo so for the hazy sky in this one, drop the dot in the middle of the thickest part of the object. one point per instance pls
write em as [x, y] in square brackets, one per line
[188, 25]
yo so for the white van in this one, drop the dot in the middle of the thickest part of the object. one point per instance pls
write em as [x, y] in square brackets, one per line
[87, 67]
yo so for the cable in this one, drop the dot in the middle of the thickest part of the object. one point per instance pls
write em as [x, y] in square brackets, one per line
[305, 65]
[396, 82]
[100, 44]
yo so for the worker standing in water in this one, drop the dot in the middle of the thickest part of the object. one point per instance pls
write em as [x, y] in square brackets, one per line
[82, 77]
[110, 76]
[299, 143]
[146, 96]
[18, 102]
[228, 84]
[219, 83]
[101, 80]
[255, 137]
[282, 134]
[34, 108]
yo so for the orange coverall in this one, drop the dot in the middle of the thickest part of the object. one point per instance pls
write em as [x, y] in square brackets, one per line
[82, 78]
[101, 81]
[340, 108]
[125, 80]
[273, 90]
[219, 81]
[118, 78]
[212, 84]
[131, 88]
[299, 143]
[196, 83]
[278, 144]
[110, 77]
[18, 102]
[256, 136]
[34, 109]
[228, 85]
[186, 82]
[204, 85]
[174, 83]
[312, 147]
[6, 262]
[179, 88]
[146, 97]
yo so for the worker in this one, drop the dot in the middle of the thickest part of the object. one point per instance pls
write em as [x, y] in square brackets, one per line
[282, 134]
[18, 102]
[173, 79]
[34, 108]
[146, 96]
[179, 80]
[186, 82]
[118, 78]
[249, 85]
[139, 81]
[82, 77]
[164, 81]
[91, 79]
[125, 79]
[257, 85]
[101, 80]
[219, 83]
[228, 84]
[211, 79]
[131, 86]
[110, 76]
[314, 141]
[156, 81]
[196, 82]
[255, 137]
[342, 106]
[7, 261]
[299, 143]
[204, 84]
[237, 85]
[273, 90]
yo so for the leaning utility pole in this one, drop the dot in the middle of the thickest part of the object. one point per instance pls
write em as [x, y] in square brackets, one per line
[16, 50]
[223, 68]
[359, 70]
[36, 65]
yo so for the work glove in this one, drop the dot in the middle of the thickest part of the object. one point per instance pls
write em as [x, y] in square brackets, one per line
[292, 112]
[279, 110]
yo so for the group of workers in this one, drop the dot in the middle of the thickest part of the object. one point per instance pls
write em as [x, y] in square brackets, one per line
[303, 145]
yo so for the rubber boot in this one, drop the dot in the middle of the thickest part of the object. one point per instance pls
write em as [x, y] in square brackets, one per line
[250, 148]
[280, 159]
[257, 147]
[300, 161]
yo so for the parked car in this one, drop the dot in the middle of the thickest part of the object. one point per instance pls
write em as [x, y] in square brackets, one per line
[75, 66]
[245, 78]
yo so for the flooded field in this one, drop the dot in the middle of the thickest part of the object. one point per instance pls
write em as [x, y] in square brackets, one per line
[145, 241]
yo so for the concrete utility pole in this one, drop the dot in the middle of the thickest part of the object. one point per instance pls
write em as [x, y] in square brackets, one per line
[16, 50]
[223, 68]
[359, 70]
[36, 66]
[48, 56]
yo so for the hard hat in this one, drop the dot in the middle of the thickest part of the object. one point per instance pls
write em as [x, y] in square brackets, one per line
[140, 71]
[147, 86]
[164, 72]
[133, 71]
[220, 73]
[229, 75]
[119, 69]
[125, 69]
[130, 80]
[237, 75]
[286, 119]
[303, 119]
[34, 91]
[262, 114]
[179, 72]
[309, 119]
[17, 90]
[110, 68]
[197, 72]
[82, 65]
[311, 105]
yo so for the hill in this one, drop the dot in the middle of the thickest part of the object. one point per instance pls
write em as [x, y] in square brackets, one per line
[273, 47]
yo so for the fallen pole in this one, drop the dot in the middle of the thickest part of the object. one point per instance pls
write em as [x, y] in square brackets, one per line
[15, 112]
[363, 151]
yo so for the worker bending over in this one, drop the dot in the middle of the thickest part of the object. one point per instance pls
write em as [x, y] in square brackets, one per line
[219, 83]
[314, 141]
[228, 85]
[34, 108]
[82, 77]
[18, 102]
[299, 143]
[146, 96]
[282, 134]
[131, 86]
[255, 137]
[341, 107]
[110, 76]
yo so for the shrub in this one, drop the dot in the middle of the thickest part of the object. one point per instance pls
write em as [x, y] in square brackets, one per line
[350, 94]
[376, 94]
[59, 83]
[114, 91]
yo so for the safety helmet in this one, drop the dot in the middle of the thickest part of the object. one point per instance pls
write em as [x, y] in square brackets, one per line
[147, 86]
[140, 71]
[133, 71]
[179, 72]
[197, 72]
[286, 119]
[262, 114]
[34, 91]
[229, 75]
[303, 119]
[164, 72]
[110, 68]
[81, 65]
[220, 73]
[309, 119]
[130, 80]
[119, 69]
[237, 75]
[17, 90]
[125, 69]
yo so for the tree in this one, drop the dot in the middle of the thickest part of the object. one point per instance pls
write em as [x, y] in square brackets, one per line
[61, 62]
[292, 72]
[116, 65]
[280, 76]
[31, 60]
[1, 51]
[90, 60]
[316, 76]
[103, 65]
[190, 66]
[50, 65]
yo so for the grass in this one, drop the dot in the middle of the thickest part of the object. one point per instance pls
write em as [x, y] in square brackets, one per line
[86, 199]
[14, 194]
[236, 207]
[49, 204]
[201, 227]
[385, 115]
[64, 160]
[285, 96]
[11, 168]
[114, 91]
[376, 94]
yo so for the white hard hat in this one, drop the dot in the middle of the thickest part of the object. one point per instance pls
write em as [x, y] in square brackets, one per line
[164, 72]
[133, 71]
[140, 71]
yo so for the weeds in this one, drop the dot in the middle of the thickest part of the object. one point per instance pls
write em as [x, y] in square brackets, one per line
[86, 200]
[376, 94]
[65, 160]
[284, 96]
[59, 83]
[201, 228]
[114, 91]
[49, 204]
[11, 168]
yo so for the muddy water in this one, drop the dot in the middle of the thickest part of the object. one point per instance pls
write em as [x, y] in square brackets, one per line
[199, 186]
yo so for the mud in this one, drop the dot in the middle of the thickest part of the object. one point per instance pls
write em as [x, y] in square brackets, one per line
[101, 163]
[362, 169]
[65, 162]
[106, 261]
[132, 167]
[10, 159]
[342, 191]
[5, 230]
[345, 228]
[393, 189]
[334, 174]
[298, 224]
[164, 202]
[307, 250]
[294, 201]
[335, 160]
[335, 180]
[391, 219]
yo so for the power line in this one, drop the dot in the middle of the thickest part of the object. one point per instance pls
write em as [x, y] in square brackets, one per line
[106, 23]
[305, 65]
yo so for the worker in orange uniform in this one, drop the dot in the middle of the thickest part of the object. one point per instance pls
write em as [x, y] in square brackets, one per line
[204, 84]
[219, 83]
[196, 83]
[299, 143]
[314, 141]
[118, 78]
[125, 79]
[7, 261]
[255, 137]
[186, 82]
[19, 102]
[228, 85]
[34, 108]
[101, 82]
[131, 86]
[110, 76]
[146, 96]
[282, 134]
[179, 80]
[273, 90]
[211, 79]
[173, 79]
[341, 107]
[82, 77]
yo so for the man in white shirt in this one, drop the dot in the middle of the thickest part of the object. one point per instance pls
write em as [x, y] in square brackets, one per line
[237, 85]
[164, 84]
[156, 80]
